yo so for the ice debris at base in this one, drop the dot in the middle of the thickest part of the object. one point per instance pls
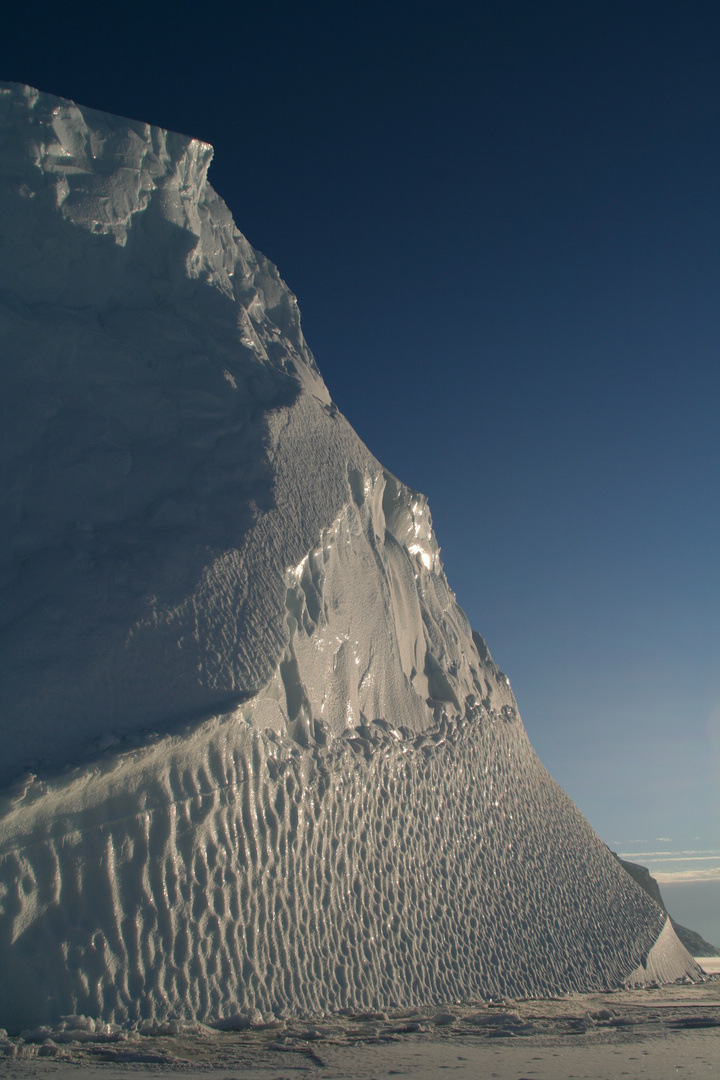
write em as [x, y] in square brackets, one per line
[340, 1040]
[253, 755]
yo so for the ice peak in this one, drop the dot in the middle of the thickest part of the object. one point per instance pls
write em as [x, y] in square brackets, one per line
[100, 212]
[99, 170]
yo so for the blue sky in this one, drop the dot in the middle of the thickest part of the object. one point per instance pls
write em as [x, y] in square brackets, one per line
[502, 224]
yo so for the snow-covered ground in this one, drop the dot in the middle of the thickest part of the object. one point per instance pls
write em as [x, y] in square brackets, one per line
[656, 1033]
[254, 756]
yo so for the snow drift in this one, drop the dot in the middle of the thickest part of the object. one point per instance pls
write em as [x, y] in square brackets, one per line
[254, 757]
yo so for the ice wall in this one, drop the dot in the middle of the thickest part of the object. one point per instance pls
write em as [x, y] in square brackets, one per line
[232, 871]
[250, 742]
[171, 457]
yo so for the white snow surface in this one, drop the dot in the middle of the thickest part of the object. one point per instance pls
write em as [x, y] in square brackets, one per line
[253, 755]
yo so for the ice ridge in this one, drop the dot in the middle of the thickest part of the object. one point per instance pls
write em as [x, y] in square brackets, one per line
[254, 757]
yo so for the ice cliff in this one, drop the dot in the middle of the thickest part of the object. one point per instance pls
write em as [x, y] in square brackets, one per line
[254, 756]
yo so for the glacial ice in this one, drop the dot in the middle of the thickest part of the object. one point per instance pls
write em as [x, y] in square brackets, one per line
[254, 757]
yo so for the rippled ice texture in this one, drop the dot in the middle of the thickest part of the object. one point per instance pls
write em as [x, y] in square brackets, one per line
[253, 754]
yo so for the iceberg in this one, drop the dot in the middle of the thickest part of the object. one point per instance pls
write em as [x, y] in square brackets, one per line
[255, 760]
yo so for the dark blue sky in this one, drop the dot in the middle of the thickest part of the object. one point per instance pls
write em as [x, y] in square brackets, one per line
[502, 224]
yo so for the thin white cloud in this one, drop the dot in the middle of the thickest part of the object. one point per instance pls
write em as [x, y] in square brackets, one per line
[679, 867]
[684, 858]
[687, 877]
[671, 856]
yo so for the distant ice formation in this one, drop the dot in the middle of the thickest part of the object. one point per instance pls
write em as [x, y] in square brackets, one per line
[254, 757]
